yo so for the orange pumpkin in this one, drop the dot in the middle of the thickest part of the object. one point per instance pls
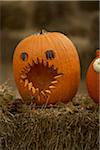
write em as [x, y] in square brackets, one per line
[46, 68]
[93, 78]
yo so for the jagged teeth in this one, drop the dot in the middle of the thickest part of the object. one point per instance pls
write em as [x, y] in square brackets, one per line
[23, 76]
[29, 65]
[54, 82]
[54, 68]
[44, 63]
[26, 82]
[49, 65]
[30, 86]
[28, 69]
[38, 97]
[25, 71]
[48, 91]
[43, 93]
[32, 62]
[36, 61]
[37, 89]
[58, 76]
[21, 81]
[33, 90]
[52, 87]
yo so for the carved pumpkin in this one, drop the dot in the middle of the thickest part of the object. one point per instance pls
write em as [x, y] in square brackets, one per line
[93, 78]
[46, 68]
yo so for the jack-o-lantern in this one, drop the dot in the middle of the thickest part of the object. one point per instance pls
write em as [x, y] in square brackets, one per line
[93, 78]
[46, 68]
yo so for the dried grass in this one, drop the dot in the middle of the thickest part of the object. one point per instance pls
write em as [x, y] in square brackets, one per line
[71, 126]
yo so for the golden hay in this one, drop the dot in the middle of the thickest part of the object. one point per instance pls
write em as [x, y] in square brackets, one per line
[71, 126]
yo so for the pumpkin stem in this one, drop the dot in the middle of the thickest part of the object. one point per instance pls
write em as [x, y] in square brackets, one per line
[43, 31]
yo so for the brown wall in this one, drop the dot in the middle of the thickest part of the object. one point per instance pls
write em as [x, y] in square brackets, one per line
[78, 20]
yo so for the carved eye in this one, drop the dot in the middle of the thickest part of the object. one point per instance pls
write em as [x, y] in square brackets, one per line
[24, 56]
[50, 54]
[96, 65]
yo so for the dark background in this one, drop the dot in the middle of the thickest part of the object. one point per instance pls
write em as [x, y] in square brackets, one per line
[79, 20]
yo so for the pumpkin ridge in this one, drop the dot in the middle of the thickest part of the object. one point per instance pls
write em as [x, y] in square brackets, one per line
[64, 47]
[52, 38]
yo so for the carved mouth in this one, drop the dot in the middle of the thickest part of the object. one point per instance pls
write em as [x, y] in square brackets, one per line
[40, 78]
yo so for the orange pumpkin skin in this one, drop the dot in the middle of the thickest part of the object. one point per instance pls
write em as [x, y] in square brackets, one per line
[55, 76]
[93, 80]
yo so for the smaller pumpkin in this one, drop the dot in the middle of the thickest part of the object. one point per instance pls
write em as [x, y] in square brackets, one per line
[93, 78]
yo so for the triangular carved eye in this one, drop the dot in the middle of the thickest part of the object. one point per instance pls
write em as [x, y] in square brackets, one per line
[24, 56]
[50, 54]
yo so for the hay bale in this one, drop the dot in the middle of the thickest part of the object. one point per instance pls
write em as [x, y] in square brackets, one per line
[71, 126]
